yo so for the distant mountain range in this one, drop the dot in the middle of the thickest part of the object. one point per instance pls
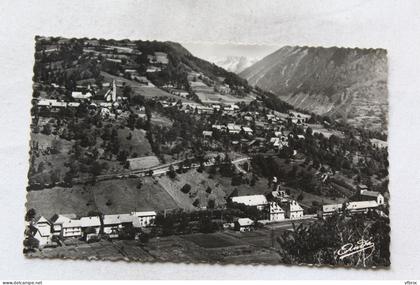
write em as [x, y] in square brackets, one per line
[346, 84]
[235, 64]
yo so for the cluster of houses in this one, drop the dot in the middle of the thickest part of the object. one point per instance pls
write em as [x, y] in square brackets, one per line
[89, 228]
[281, 208]
[108, 105]
[284, 208]
[192, 107]
[370, 201]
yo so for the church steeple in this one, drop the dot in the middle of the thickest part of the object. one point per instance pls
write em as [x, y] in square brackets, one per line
[114, 92]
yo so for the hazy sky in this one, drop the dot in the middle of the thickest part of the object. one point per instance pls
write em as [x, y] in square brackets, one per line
[211, 52]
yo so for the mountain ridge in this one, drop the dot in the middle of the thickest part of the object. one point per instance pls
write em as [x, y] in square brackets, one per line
[344, 83]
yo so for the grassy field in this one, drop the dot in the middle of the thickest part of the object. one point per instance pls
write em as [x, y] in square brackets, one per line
[108, 197]
[220, 186]
[51, 162]
[211, 240]
[138, 144]
[223, 247]
[309, 198]
[158, 119]
[317, 128]
[216, 98]
[143, 162]
[199, 183]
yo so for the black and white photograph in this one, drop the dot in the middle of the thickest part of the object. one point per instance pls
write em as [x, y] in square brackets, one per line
[158, 151]
[209, 140]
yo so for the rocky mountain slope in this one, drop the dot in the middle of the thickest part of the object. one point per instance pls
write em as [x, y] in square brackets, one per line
[346, 84]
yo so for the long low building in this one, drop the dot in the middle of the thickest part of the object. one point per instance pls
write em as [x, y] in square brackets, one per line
[259, 201]
[353, 206]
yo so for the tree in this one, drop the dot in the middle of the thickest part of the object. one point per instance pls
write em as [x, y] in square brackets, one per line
[30, 243]
[211, 203]
[318, 242]
[30, 214]
[300, 197]
[186, 188]
[46, 130]
[171, 172]
[236, 180]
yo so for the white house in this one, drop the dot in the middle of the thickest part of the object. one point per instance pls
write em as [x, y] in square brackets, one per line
[43, 231]
[143, 219]
[80, 96]
[232, 107]
[361, 206]
[258, 201]
[51, 103]
[379, 198]
[74, 104]
[233, 129]
[330, 209]
[293, 210]
[58, 221]
[91, 226]
[113, 223]
[247, 130]
[276, 212]
[244, 225]
[207, 133]
[71, 228]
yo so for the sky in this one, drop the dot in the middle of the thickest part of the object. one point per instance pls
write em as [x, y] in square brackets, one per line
[213, 52]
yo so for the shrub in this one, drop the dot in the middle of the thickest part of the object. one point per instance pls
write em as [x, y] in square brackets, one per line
[211, 204]
[186, 188]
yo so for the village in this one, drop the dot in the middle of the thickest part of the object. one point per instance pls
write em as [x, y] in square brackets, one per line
[122, 113]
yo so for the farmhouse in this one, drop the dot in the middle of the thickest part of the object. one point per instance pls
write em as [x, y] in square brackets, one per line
[218, 127]
[80, 96]
[58, 221]
[247, 130]
[207, 133]
[74, 104]
[91, 226]
[244, 225]
[361, 206]
[379, 198]
[233, 129]
[113, 223]
[232, 107]
[71, 228]
[51, 103]
[43, 231]
[327, 210]
[143, 219]
[258, 201]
